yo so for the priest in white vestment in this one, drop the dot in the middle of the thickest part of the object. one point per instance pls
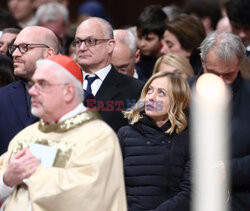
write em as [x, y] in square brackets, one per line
[70, 160]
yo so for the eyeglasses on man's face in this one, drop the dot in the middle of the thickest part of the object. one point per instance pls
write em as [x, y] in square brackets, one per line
[42, 85]
[23, 48]
[88, 42]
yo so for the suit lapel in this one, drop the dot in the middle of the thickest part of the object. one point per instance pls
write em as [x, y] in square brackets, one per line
[108, 89]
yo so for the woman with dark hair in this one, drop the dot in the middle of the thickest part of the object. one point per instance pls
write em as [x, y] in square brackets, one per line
[6, 70]
[183, 35]
[155, 146]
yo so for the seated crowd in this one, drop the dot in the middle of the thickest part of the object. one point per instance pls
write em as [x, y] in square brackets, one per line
[98, 118]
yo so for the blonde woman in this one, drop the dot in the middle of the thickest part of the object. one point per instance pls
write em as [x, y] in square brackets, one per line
[171, 62]
[155, 146]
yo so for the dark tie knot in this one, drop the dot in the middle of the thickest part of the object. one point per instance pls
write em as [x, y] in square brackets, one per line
[91, 79]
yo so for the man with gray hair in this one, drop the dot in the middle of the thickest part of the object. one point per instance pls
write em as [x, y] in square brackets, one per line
[125, 54]
[222, 54]
[55, 16]
[106, 90]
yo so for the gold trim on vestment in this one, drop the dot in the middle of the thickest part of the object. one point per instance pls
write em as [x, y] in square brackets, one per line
[67, 124]
[63, 149]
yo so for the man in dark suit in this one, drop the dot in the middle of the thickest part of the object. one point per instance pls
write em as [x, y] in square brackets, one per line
[222, 54]
[111, 91]
[31, 44]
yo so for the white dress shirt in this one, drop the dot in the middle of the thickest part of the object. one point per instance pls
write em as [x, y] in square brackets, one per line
[102, 73]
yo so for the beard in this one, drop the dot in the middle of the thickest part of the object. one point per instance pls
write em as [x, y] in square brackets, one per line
[36, 112]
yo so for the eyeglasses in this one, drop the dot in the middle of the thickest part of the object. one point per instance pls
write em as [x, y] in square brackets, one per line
[41, 86]
[88, 42]
[23, 48]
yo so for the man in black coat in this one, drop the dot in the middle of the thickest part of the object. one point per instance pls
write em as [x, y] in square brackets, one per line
[222, 54]
[31, 44]
[106, 90]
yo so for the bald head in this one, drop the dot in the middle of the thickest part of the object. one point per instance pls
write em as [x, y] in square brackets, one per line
[99, 24]
[31, 44]
[40, 34]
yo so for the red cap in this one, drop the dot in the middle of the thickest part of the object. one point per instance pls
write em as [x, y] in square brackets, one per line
[68, 64]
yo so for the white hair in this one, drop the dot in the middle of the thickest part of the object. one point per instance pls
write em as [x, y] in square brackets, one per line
[51, 11]
[66, 77]
[129, 40]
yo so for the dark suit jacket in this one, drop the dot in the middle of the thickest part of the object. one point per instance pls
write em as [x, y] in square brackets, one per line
[14, 112]
[117, 92]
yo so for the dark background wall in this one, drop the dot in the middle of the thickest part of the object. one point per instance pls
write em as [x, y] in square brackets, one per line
[122, 12]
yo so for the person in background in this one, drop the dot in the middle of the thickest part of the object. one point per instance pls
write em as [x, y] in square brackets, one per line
[8, 36]
[238, 13]
[38, 3]
[239, 16]
[55, 16]
[7, 20]
[183, 35]
[172, 11]
[208, 11]
[223, 24]
[174, 62]
[155, 146]
[31, 44]
[86, 172]
[92, 8]
[23, 11]
[6, 70]
[222, 54]
[150, 29]
[125, 54]
[106, 90]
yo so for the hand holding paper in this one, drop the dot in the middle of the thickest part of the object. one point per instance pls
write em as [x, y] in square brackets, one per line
[45, 153]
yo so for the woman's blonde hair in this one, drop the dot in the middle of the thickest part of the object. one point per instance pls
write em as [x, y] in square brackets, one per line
[179, 98]
[177, 61]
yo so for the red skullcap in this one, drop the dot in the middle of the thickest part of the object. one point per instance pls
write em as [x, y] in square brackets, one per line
[69, 64]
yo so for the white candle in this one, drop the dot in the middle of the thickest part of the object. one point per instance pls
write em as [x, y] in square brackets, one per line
[209, 133]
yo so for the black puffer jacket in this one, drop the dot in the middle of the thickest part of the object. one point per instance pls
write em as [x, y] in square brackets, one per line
[156, 167]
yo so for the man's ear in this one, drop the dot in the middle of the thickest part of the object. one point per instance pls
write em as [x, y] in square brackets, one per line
[69, 93]
[111, 45]
[48, 52]
[137, 55]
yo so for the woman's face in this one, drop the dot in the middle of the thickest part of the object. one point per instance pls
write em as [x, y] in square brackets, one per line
[157, 100]
[170, 43]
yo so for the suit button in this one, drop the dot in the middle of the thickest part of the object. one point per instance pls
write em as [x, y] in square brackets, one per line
[148, 142]
[163, 142]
